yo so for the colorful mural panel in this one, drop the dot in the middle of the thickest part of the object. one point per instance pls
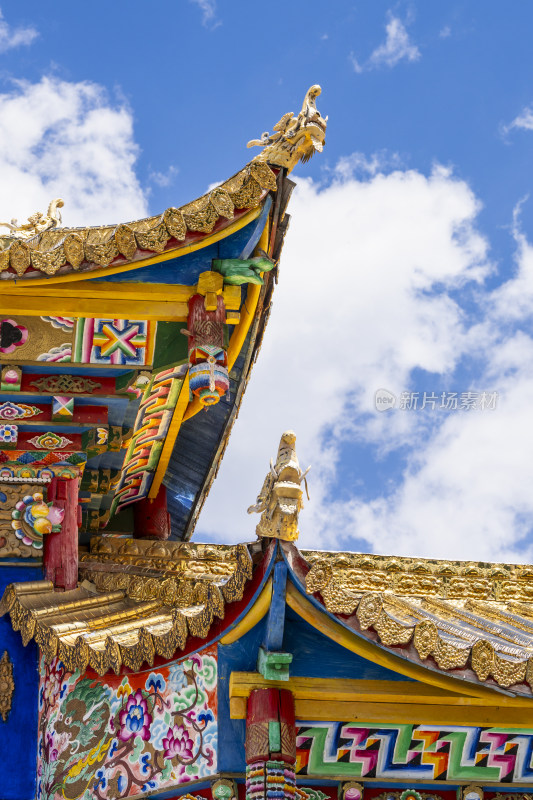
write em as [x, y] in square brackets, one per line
[114, 341]
[148, 731]
[415, 752]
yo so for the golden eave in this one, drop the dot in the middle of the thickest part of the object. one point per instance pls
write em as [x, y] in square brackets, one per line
[140, 612]
[60, 251]
[469, 616]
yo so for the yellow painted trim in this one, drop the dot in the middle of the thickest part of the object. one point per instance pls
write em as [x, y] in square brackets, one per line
[240, 333]
[399, 713]
[390, 702]
[371, 651]
[351, 690]
[254, 615]
[349, 700]
[97, 307]
[106, 289]
[177, 252]
[175, 424]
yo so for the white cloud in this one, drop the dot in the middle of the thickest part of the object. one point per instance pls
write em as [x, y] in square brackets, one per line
[396, 47]
[357, 66]
[523, 121]
[364, 298]
[62, 139]
[466, 493]
[14, 37]
[359, 311]
[209, 11]
[164, 178]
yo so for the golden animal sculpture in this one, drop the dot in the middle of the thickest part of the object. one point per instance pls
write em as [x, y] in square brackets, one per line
[280, 500]
[37, 222]
[294, 139]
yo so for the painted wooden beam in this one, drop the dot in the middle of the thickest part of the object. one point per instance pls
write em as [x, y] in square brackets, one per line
[407, 713]
[276, 615]
[105, 289]
[172, 435]
[112, 307]
[346, 700]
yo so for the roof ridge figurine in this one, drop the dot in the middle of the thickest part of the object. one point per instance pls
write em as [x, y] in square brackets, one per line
[38, 222]
[294, 139]
[280, 500]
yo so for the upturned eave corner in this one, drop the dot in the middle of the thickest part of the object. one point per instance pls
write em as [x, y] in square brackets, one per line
[43, 248]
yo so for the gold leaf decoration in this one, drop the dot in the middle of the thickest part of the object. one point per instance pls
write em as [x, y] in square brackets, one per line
[19, 257]
[248, 195]
[7, 685]
[175, 223]
[222, 203]
[200, 217]
[426, 638]
[154, 239]
[101, 253]
[482, 659]
[73, 247]
[125, 241]
[369, 610]
[134, 616]
[48, 262]
[264, 176]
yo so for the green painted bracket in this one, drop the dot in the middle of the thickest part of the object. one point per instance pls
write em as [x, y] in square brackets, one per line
[274, 736]
[237, 271]
[274, 666]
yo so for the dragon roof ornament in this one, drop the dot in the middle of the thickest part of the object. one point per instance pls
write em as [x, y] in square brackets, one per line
[294, 139]
[280, 500]
[38, 222]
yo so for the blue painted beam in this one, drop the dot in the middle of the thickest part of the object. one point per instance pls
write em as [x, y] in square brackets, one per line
[276, 615]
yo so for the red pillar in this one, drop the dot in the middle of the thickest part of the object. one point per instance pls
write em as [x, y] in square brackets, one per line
[270, 745]
[60, 558]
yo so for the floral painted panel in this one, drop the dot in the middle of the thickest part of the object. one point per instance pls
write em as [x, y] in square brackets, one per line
[113, 737]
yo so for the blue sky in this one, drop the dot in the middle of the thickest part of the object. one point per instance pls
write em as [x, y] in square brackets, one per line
[408, 265]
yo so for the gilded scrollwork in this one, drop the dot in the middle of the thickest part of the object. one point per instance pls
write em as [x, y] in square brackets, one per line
[37, 223]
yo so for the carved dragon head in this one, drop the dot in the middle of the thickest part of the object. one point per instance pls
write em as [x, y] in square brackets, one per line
[294, 139]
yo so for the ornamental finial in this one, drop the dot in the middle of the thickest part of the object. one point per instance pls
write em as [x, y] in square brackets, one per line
[294, 139]
[280, 500]
[37, 222]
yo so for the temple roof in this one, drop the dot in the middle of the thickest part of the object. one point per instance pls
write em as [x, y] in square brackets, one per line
[59, 251]
[470, 622]
[139, 600]
[114, 337]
